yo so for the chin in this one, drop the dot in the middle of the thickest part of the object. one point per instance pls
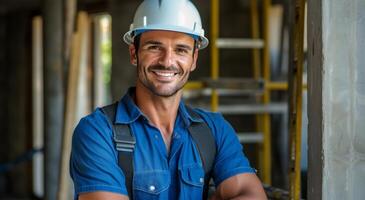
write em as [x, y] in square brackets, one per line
[165, 92]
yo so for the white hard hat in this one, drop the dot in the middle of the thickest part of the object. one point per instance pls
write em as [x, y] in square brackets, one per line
[170, 15]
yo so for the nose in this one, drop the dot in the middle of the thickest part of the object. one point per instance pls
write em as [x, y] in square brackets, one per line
[167, 58]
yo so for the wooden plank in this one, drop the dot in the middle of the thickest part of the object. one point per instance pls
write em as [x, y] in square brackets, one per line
[53, 92]
[265, 149]
[37, 107]
[315, 100]
[78, 53]
[70, 15]
[214, 51]
[295, 96]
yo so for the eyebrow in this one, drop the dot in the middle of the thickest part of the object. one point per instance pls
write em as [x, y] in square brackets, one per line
[154, 42]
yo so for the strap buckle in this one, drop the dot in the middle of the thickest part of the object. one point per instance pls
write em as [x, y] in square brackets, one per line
[124, 143]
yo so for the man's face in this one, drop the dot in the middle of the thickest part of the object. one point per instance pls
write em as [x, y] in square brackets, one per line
[164, 61]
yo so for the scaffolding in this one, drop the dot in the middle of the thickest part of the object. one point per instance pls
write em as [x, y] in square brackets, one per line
[260, 83]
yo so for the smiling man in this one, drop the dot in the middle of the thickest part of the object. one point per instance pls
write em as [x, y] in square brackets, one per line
[150, 145]
[165, 60]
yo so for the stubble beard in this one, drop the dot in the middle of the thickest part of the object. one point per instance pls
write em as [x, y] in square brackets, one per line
[154, 89]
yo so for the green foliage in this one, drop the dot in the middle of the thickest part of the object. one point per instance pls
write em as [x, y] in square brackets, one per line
[106, 60]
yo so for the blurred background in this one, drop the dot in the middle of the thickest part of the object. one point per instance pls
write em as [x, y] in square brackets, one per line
[61, 59]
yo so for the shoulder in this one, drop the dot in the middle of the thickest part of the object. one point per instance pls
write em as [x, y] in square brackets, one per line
[97, 117]
[94, 158]
[93, 128]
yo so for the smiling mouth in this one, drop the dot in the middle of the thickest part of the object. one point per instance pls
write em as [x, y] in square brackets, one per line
[165, 74]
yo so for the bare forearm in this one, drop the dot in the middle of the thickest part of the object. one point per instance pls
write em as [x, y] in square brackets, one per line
[249, 196]
[240, 187]
[102, 196]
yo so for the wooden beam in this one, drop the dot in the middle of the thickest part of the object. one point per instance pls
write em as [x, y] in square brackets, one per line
[70, 15]
[79, 54]
[295, 96]
[37, 107]
[315, 105]
[53, 92]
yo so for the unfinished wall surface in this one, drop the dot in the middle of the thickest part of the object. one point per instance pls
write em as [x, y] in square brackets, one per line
[15, 103]
[3, 101]
[123, 73]
[343, 99]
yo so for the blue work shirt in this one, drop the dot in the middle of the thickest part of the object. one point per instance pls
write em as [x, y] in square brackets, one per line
[158, 174]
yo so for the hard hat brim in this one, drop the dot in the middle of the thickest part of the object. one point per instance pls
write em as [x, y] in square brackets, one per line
[129, 36]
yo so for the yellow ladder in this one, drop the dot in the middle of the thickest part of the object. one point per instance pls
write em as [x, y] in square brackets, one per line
[255, 43]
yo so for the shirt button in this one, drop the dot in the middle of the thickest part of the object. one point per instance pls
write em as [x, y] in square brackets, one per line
[156, 136]
[176, 136]
[201, 180]
[152, 188]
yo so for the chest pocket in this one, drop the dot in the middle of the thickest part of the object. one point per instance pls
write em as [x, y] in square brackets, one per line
[151, 184]
[192, 181]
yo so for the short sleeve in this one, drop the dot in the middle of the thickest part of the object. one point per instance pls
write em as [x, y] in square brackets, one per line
[230, 159]
[93, 161]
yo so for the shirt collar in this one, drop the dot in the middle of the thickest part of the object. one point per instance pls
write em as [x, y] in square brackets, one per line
[186, 116]
[128, 111]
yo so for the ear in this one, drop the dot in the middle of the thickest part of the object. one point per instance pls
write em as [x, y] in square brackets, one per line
[132, 54]
[195, 59]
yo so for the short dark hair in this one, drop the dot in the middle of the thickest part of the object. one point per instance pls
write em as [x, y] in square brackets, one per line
[136, 42]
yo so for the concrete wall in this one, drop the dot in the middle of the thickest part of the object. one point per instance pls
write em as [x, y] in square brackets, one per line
[344, 99]
[3, 101]
[123, 73]
[15, 101]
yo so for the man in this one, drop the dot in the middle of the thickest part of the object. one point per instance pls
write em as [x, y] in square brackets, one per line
[164, 41]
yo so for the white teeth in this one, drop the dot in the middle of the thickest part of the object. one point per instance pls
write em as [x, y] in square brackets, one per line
[165, 74]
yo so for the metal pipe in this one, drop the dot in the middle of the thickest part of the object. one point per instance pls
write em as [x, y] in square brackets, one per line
[255, 33]
[273, 85]
[214, 50]
[256, 62]
[53, 92]
[295, 96]
[276, 85]
[37, 104]
[265, 158]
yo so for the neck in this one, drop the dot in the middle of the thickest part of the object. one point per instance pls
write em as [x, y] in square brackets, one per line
[161, 111]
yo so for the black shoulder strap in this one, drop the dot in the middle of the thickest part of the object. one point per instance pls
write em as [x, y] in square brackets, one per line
[124, 142]
[205, 142]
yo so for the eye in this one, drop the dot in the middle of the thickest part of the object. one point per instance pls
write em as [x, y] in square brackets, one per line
[182, 51]
[154, 47]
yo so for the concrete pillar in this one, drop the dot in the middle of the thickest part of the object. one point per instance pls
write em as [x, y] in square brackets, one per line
[3, 101]
[3, 83]
[336, 65]
[18, 99]
[123, 73]
[53, 92]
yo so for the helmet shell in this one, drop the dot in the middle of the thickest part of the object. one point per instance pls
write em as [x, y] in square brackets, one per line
[170, 15]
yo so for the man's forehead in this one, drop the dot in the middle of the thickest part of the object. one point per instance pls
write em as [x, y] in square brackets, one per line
[160, 35]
